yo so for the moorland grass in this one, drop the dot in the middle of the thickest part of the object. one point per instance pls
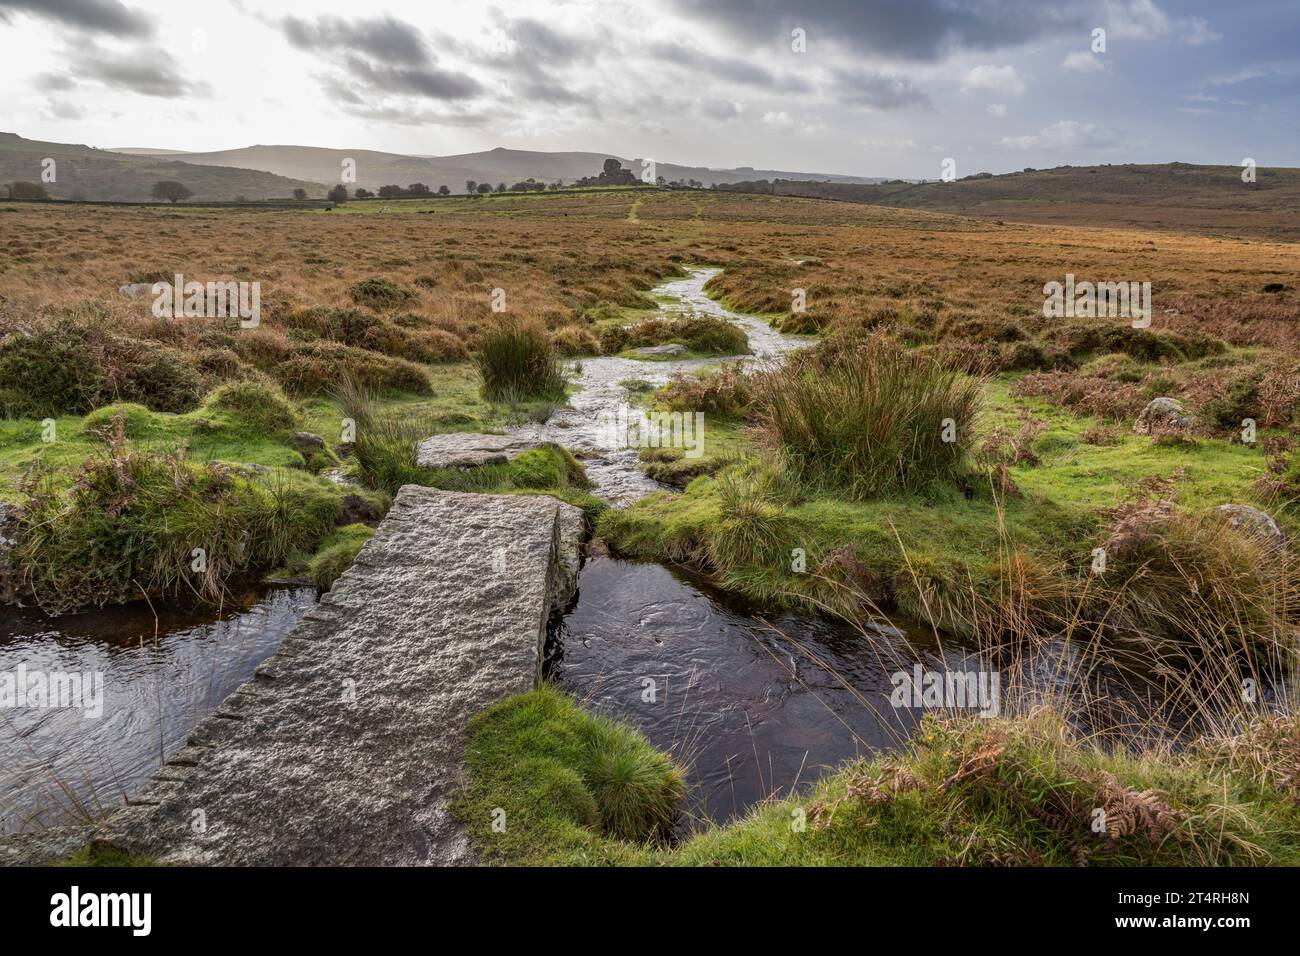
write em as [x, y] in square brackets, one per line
[1015, 790]
[140, 523]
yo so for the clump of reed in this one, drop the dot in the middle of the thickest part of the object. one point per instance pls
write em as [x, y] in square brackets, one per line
[869, 418]
[517, 361]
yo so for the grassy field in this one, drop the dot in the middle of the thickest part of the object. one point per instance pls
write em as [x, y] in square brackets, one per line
[375, 315]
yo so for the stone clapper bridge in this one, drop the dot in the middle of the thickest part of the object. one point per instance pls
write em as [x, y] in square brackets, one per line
[346, 746]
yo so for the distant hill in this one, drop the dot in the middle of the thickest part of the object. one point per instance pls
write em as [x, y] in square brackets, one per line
[83, 172]
[142, 151]
[1209, 200]
[375, 169]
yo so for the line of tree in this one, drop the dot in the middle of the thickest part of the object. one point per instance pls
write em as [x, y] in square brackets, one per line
[413, 191]
[170, 190]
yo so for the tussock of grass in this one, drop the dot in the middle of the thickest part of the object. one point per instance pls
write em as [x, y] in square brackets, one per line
[1194, 582]
[259, 405]
[133, 521]
[574, 787]
[516, 361]
[704, 335]
[868, 418]
[380, 293]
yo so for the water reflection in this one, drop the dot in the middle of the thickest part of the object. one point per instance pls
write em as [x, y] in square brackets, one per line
[161, 676]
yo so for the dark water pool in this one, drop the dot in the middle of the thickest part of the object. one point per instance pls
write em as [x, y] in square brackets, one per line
[159, 678]
[753, 706]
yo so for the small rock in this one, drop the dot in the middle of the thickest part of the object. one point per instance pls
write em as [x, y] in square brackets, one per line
[1167, 412]
[137, 290]
[306, 441]
[1252, 521]
[355, 509]
[660, 351]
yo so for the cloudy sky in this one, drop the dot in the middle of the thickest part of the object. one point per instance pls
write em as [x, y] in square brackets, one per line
[880, 87]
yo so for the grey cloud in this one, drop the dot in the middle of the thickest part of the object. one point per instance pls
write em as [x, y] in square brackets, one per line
[720, 109]
[93, 16]
[430, 81]
[61, 110]
[338, 90]
[879, 91]
[382, 55]
[727, 68]
[145, 71]
[384, 38]
[549, 91]
[540, 41]
[914, 30]
[54, 82]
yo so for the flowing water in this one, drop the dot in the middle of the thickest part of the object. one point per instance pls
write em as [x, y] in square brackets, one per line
[611, 468]
[752, 705]
[160, 676]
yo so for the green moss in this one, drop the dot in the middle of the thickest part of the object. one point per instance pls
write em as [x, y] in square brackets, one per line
[538, 469]
[259, 405]
[98, 854]
[337, 553]
[563, 785]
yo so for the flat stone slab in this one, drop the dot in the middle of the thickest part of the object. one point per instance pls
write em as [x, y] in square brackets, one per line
[472, 450]
[347, 745]
[660, 351]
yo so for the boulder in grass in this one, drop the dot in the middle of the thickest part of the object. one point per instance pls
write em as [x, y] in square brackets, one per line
[660, 351]
[306, 441]
[137, 290]
[1253, 522]
[1161, 414]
